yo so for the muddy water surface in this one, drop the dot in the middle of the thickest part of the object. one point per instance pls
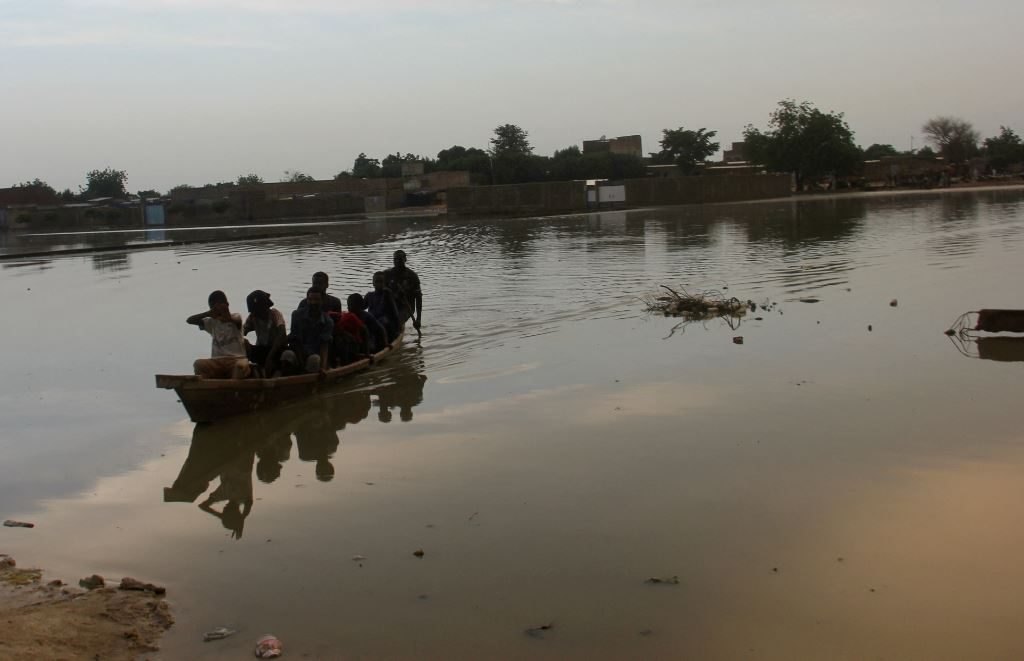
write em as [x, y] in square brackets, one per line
[820, 491]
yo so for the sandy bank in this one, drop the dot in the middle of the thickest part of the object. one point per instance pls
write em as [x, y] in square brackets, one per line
[48, 620]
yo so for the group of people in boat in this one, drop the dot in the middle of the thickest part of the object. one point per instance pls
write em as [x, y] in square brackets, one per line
[321, 334]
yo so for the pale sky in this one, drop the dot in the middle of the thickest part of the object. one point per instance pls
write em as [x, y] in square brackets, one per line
[196, 91]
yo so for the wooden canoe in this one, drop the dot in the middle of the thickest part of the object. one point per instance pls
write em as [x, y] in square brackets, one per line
[208, 400]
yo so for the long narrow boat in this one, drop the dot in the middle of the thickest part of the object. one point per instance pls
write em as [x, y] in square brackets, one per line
[208, 400]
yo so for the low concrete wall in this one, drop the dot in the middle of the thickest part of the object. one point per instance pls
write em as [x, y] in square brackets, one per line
[519, 199]
[705, 189]
[569, 196]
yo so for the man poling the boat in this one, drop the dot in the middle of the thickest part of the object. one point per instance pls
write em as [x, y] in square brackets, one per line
[405, 285]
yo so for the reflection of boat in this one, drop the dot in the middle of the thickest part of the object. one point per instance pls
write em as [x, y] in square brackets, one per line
[965, 335]
[207, 400]
[229, 450]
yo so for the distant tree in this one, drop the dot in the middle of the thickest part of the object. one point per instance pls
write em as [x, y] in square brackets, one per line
[344, 174]
[296, 177]
[1004, 149]
[461, 158]
[249, 180]
[105, 183]
[686, 148]
[179, 187]
[955, 138]
[567, 165]
[365, 167]
[148, 194]
[391, 166]
[805, 141]
[877, 151]
[926, 152]
[36, 183]
[510, 139]
[67, 196]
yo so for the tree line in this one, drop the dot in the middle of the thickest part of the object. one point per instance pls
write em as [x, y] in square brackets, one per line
[798, 138]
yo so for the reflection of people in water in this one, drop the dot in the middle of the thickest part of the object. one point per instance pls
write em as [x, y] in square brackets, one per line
[236, 490]
[317, 441]
[271, 457]
[404, 394]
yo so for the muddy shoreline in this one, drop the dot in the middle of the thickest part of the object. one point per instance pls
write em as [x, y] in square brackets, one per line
[49, 619]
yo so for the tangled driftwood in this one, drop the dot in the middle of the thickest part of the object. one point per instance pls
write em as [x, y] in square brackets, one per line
[702, 305]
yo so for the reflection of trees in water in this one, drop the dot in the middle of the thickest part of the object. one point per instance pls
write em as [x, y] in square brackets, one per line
[796, 224]
[227, 450]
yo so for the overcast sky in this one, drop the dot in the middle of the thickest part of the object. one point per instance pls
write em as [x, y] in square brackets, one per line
[196, 91]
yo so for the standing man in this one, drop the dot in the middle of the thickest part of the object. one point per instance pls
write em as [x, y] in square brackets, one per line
[227, 353]
[331, 303]
[310, 337]
[405, 285]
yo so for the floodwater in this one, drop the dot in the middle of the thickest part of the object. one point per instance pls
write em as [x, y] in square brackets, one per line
[821, 491]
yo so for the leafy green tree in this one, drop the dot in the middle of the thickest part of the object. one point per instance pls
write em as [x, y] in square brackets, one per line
[805, 141]
[391, 166]
[67, 196]
[1005, 149]
[955, 138]
[365, 167]
[296, 177]
[148, 194]
[926, 152]
[877, 151]
[37, 183]
[685, 148]
[249, 180]
[105, 183]
[510, 139]
[466, 159]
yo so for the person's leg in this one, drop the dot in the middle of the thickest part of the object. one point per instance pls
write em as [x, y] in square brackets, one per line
[213, 368]
[312, 364]
[240, 369]
[289, 362]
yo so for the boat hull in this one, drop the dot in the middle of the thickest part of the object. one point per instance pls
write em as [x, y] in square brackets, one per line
[208, 400]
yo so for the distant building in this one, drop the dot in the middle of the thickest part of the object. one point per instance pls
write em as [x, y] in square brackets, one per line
[412, 168]
[736, 154]
[631, 145]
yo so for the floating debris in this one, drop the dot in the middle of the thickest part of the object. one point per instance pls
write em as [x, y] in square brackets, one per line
[810, 299]
[702, 305]
[418, 553]
[663, 580]
[268, 647]
[358, 558]
[893, 303]
[738, 339]
[220, 633]
[10, 523]
[538, 632]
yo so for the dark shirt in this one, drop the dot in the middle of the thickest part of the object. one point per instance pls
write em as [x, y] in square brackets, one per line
[378, 336]
[381, 304]
[405, 285]
[309, 333]
[331, 304]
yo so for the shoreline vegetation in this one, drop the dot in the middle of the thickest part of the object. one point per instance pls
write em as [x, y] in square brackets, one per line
[52, 620]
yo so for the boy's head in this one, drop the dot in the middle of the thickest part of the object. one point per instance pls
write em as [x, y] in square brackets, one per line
[314, 298]
[399, 258]
[378, 280]
[320, 280]
[218, 302]
[356, 303]
[259, 303]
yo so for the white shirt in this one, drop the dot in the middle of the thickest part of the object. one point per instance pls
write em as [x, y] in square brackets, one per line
[227, 336]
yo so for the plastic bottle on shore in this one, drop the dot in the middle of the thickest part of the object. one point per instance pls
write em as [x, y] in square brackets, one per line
[268, 647]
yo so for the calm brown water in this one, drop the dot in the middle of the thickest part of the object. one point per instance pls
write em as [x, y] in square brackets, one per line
[821, 491]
